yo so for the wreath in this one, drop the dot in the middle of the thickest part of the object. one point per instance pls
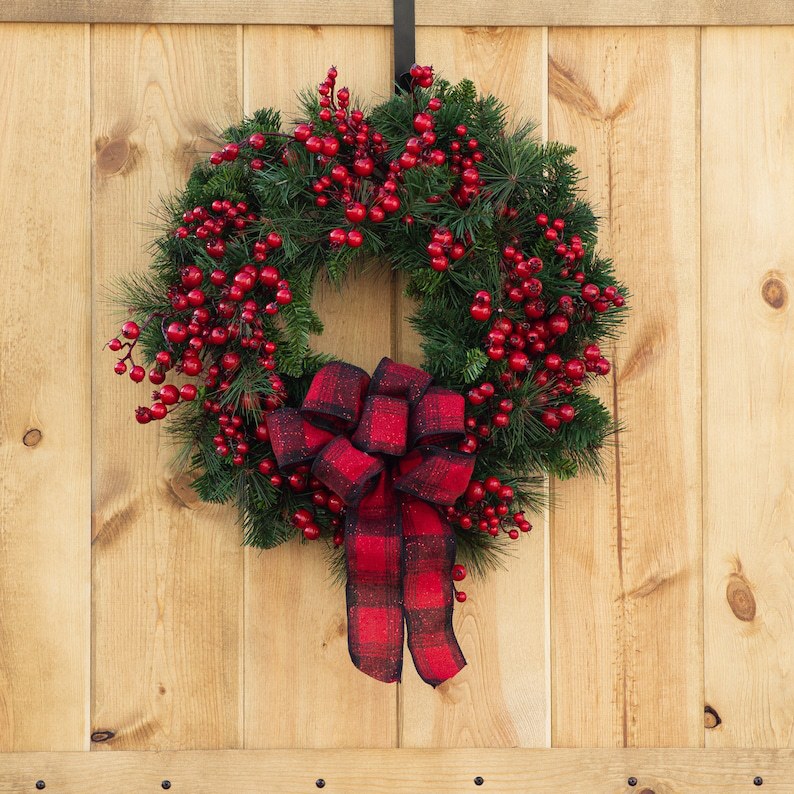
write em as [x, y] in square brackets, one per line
[409, 475]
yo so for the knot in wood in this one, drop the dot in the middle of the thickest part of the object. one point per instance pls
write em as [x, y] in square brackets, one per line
[741, 599]
[774, 293]
[32, 437]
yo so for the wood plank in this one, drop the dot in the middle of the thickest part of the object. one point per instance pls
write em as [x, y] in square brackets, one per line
[500, 698]
[748, 171]
[45, 401]
[626, 553]
[168, 570]
[297, 662]
[450, 13]
[408, 771]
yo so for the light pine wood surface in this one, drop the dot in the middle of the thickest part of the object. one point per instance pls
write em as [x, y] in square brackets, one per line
[748, 396]
[625, 560]
[638, 603]
[45, 422]
[583, 771]
[449, 13]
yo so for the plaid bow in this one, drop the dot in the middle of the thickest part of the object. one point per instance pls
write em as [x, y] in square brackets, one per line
[376, 443]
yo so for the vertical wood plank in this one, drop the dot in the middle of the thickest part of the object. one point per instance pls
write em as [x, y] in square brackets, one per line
[499, 699]
[167, 571]
[626, 553]
[748, 238]
[301, 687]
[45, 407]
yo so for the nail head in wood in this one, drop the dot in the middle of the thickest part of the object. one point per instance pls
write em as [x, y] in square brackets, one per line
[632, 781]
[166, 784]
[40, 784]
[320, 783]
[758, 781]
[478, 781]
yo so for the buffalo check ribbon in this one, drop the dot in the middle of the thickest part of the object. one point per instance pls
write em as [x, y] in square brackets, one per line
[378, 443]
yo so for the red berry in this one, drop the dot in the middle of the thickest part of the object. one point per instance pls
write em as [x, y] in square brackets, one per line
[143, 416]
[176, 332]
[355, 238]
[501, 420]
[130, 330]
[335, 503]
[114, 345]
[158, 411]
[492, 484]
[169, 394]
[592, 353]
[505, 493]
[518, 361]
[474, 491]
[480, 312]
[542, 219]
[574, 369]
[337, 237]
[188, 392]
[558, 324]
[311, 531]
[460, 596]
[553, 362]
[458, 572]
[120, 368]
[487, 389]
[566, 412]
[137, 374]
[590, 292]
[356, 212]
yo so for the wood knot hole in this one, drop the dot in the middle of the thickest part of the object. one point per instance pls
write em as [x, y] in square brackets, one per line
[774, 292]
[113, 156]
[741, 599]
[102, 736]
[647, 791]
[710, 717]
[32, 437]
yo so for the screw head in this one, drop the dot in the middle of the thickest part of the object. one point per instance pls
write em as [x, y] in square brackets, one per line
[758, 781]
[632, 781]
[166, 784]
[40, 784]
[478, 781]
[320, 783]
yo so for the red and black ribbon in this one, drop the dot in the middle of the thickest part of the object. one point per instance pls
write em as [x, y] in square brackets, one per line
[376, 443]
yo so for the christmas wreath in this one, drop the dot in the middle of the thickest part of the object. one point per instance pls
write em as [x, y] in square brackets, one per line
[409, 474]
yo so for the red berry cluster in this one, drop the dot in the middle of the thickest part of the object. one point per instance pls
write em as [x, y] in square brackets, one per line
[486, 507]
[527, 343]
[209, 311]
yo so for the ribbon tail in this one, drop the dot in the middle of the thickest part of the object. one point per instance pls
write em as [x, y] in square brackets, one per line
[374, 552]
[428, 592]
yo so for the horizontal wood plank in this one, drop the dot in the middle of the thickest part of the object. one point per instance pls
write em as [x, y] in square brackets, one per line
[418, 771]
[428, 12]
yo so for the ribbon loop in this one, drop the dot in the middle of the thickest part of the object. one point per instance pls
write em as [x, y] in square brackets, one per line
[384, 426]
[335, 396]
[374, 443]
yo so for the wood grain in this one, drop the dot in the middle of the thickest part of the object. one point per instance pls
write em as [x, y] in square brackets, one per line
[297, 661]
[45, 420]
[450, 13]
[679, 771]
[626, 554]
[500, 699]
[748, 321]
[168, 571]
